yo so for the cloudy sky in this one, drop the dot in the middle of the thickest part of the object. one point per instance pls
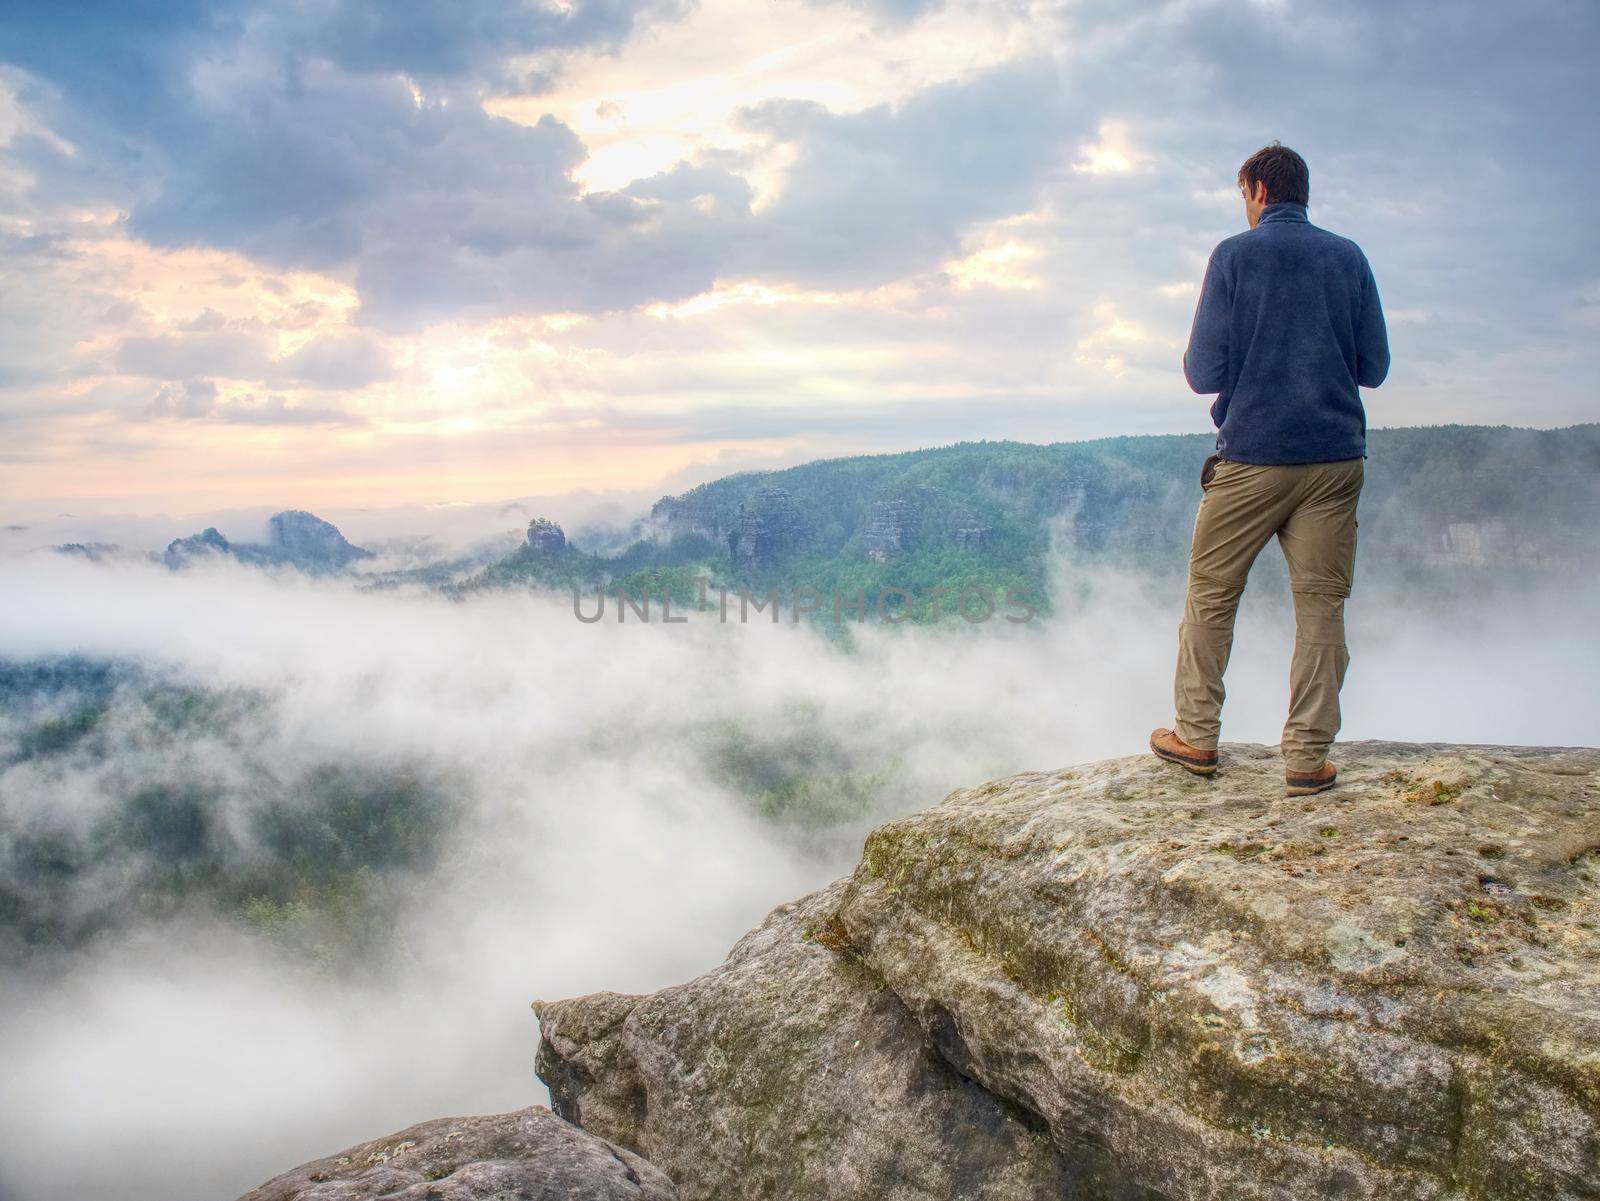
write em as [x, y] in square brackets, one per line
[336, 252]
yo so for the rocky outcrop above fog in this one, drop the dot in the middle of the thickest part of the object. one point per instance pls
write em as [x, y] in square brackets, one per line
[305, 540]
[969, 532]
[295, 538]
[1120, 981]
[900, 522]
[529, 1155]
[770, 525]
[181, 552]
[545, 537]
[790, 1071]
[894, 526]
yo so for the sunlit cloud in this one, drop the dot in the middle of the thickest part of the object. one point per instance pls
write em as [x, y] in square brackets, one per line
[743, 294]
[673, 92]
[1001, 254]
[1112, 154]
[1117, 339]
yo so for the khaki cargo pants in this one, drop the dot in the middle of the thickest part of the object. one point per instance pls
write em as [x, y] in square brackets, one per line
[1311, 507]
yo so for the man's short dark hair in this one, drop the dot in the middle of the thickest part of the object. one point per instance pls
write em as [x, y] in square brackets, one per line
[1282, 170]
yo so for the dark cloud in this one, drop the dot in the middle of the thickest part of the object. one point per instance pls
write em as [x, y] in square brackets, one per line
[137, 52]
[287, 133]
[445, 39]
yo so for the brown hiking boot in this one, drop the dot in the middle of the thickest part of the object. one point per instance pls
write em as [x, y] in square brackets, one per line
[1299, 783]
[1167, 745]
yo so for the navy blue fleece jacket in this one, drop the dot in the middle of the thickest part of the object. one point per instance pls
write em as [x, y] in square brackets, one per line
[1287, 329]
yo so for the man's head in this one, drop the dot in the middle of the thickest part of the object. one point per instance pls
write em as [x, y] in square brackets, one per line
[1271, 174]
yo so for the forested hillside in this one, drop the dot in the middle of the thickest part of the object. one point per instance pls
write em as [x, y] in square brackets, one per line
[984, 514]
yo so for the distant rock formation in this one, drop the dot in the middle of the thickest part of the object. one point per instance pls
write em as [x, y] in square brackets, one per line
[671, 517]
[545, 537]
[770, 525]
[1486, 543]
[894, 527]
[294, 537]
[918, 517]
[1120, 981]
[529, 1155]
[967, 532]
[972, 537]
[95, 552]
[309, 542]
[181, 552]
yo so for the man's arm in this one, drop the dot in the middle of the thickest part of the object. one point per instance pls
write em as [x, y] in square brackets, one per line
[1372, 335]
[1205, 362]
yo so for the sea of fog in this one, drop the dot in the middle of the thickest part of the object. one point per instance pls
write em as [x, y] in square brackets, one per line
[178, 1059]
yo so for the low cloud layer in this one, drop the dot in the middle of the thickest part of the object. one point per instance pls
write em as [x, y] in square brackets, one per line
[595, 848]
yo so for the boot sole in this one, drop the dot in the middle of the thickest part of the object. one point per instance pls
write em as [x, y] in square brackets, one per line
[1310, 789]
[1189, 765]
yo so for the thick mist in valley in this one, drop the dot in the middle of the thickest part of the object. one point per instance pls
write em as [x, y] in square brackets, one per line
[605, 806]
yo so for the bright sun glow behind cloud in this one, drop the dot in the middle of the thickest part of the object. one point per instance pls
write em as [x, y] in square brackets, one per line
[1112, 154]
[673, 91]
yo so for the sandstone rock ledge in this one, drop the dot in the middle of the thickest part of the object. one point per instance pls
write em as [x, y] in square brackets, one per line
[529, 1155]
[1118, 981]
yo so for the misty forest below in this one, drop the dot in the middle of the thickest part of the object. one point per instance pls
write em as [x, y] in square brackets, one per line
[310, 857]
[314, 860]
[239, 780]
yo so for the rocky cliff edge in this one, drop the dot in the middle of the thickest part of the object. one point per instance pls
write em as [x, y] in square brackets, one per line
[1119, 981]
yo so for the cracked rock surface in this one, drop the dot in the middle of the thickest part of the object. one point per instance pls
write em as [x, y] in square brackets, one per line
[1119, 981]
[529, 1155]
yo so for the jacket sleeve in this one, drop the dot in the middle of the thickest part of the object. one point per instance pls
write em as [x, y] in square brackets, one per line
[1372, 335]
[1205, 362]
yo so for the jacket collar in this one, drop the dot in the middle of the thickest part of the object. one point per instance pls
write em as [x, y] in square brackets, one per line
[1282, 210]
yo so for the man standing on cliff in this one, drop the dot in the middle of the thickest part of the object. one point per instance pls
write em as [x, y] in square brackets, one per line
[1288, 328]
